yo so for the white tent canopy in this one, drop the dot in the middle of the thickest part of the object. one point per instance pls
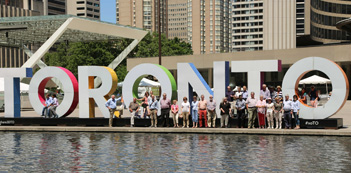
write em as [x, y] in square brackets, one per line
[315, 80]
[23, 87]
[145, 83]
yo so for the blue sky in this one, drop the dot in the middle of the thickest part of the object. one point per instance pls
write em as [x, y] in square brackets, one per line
[108, 10]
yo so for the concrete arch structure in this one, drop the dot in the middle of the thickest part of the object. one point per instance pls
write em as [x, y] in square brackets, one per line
[325, 14]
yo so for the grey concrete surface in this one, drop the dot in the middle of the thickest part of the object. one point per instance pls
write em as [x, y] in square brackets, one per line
[301, 132]
[344, 113]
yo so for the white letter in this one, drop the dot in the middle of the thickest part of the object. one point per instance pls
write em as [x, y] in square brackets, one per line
[37, 89]
[335, 74]
[88, 94]
[135, 75]
[254, 69]
[12, 89]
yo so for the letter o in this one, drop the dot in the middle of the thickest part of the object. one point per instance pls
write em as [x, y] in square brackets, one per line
[336, 75]
[37, 89]
[134, 76]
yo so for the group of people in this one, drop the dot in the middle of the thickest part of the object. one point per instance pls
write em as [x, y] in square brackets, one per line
[270, 109]
[203, 112]
[51, 103]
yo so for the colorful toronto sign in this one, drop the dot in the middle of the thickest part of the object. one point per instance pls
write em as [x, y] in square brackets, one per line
[188, 80]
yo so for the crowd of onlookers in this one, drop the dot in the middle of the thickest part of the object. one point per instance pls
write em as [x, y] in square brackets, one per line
[270, 108]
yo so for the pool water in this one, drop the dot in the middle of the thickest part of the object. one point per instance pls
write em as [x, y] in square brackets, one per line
[145, 152]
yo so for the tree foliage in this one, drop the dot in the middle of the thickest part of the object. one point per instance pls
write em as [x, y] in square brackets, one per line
[102, 53]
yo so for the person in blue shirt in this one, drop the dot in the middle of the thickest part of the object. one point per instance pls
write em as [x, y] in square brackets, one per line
[194, 111]
[153, 106]
[48, 102]
[111, 105]
[296, 110]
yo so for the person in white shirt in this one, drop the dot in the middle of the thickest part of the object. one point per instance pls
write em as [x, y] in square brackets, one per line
[53, 106]
[238, 93]
[185, 109]
[287, 111]
[269, 114]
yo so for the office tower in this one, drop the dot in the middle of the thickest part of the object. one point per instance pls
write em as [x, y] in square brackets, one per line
[324, 16]
[82, 8]
[303, 16]
[142, 14]
[263, 25]
[209, 29]
[247, 25]
[87, 8]
[11, 53]
[178, 19]
[46, 7]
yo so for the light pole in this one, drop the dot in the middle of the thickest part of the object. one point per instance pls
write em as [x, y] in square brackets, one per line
[159, 31]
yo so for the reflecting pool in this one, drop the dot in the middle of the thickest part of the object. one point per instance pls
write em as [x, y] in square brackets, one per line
[145, 152]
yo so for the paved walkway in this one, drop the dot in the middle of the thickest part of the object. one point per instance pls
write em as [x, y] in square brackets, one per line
[301, 132]
[343, 113]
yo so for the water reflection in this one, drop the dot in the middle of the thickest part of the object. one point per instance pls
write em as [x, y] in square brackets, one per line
[135, 152]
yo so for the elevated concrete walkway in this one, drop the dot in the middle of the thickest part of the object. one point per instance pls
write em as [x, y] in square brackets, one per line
[300, 132]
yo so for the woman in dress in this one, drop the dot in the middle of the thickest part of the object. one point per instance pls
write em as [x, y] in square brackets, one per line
[278, 110]
[145, 104]
[269, 114]
[261, 110]
[185, 109]
[194, 112]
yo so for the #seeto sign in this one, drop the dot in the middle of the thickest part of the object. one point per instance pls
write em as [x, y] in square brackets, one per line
[189, 79]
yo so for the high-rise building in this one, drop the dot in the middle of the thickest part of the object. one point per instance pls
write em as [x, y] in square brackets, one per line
[87, 8]
[46, 7]
[142, 14]
[10, 54]
[303, 16]
[209, 25]
[178, 19]
[324, 16]
[82, 8]
[263, 25]
[247, 25]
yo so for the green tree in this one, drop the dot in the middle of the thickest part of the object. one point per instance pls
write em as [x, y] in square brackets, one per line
[102, 53]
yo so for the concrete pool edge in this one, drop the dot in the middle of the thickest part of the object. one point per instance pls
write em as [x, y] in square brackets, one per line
[300, 132]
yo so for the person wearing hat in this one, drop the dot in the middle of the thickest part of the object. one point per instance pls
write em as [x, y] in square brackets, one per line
[269, 114]
[278, 94]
